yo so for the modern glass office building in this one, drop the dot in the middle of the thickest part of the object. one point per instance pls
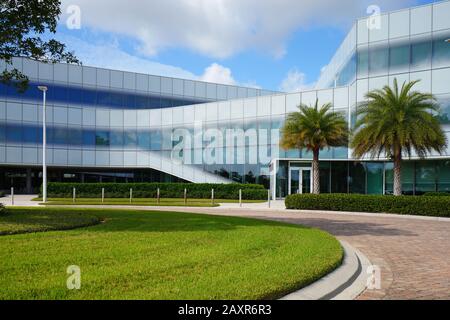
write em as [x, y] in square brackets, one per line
[107, 125]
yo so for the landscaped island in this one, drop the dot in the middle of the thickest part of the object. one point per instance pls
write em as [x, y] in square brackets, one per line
[159, 255]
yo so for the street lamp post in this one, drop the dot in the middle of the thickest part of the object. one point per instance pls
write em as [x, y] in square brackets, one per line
[44, 144]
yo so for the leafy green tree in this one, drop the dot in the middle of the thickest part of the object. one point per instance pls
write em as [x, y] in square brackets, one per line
[313, 129]
[395, 121]
[23, 23]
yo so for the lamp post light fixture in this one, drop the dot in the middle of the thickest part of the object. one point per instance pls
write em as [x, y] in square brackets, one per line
[44, 144]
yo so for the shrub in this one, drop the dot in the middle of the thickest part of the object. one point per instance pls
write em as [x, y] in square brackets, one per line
[2, 209]
[413, 205]
[149, 190]
[437, 194]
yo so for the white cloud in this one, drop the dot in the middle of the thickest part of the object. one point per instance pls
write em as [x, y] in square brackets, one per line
[218, 28]
[295, 81]
[109, 55]
[218, 74]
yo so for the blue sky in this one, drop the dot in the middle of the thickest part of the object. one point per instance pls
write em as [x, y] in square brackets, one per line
[276, 45]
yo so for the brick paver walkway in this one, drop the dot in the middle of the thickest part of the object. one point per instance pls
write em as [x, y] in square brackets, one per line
[414, 255]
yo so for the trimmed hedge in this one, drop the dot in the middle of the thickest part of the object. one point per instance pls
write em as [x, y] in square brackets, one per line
[149, 190]
[437, 194]
[413, 205]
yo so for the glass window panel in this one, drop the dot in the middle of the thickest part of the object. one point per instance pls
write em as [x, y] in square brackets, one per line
[88, 138]
[2, 132]
[363, 31]
[324, 172]
[166, 102]
[166, 85]
[60, 115]
[374, 178]
[130, 138]
[59, 135]
[421, 20]
[75, 74]
[340, 153]
[116, 79]
[348, 74]
[103, 77]
[339, 177]
[59, 95]
[30, 134]
[155, 140]
[154, 102]
[89, 97]
[399, 24]
[441, 52]
[143, 140]
[421, 55]
[75, 95]
[142, 82]
[440, 81]
[60, 72]
[211, 91]
[30, 68]
[102, 138]
[189, 88]
[399, 59]
[380, 32]
[129, 80]
[14, 133]
[129, 101]
[425, 177]
[200, 89]
[75, 137]
[441, 15]
[378, 60]
[102, 118]
[103, 98]
[88, 117]
[443, 174]
[444, 113]
[408, 177]
[178, 87]
[116, 138]
[363, 63]
[89, 75]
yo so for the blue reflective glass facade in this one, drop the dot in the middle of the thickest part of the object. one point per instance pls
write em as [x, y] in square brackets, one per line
[120, 124]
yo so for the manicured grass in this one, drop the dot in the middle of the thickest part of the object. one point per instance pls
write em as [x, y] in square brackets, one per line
[144, 202]
[25, 221]
[164, 255]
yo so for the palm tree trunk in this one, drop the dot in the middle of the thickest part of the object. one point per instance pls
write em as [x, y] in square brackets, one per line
[316, 172]
[398, 175]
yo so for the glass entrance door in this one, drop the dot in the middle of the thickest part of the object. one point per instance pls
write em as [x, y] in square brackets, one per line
[299, 180]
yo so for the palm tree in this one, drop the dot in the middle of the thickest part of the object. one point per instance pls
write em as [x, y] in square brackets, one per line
[394, 122]
[313, 128]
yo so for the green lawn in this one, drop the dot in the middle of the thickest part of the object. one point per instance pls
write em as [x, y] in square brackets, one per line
[26, 221]
[162, 255]
[144, 202]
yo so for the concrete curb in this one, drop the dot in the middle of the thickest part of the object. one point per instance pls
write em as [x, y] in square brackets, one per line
[345, 283]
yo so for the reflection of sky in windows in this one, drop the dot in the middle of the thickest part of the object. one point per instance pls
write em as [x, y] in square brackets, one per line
[59, 94]
[399, 56]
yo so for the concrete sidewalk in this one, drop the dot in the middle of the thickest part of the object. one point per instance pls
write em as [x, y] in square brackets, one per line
[20, 200]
